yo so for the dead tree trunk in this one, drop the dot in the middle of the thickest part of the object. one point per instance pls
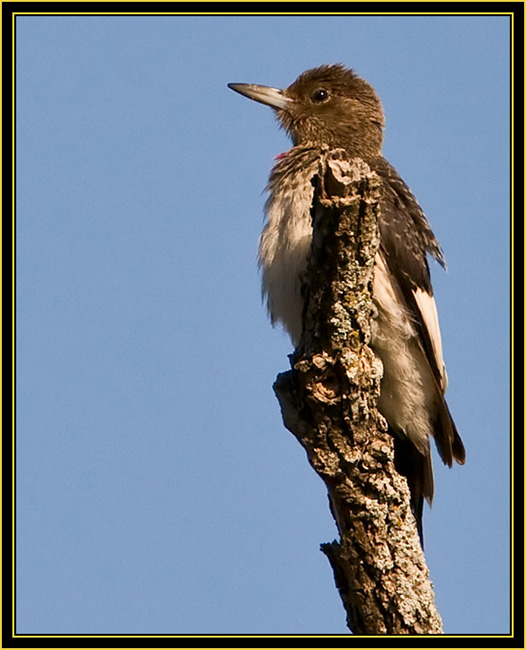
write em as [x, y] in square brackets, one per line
[328, 402]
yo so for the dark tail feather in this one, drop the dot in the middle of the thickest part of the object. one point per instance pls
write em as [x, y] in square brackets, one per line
[448, 441]
[418, 470]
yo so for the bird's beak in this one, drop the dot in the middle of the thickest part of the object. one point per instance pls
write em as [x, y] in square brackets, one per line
[264, 94]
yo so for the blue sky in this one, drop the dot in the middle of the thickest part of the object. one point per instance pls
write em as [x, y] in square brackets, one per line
[158, 492]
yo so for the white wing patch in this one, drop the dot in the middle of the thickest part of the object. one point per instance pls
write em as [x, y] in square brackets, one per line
[428, 310]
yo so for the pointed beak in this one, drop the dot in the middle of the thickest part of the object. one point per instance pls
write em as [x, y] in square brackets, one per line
[264, 94]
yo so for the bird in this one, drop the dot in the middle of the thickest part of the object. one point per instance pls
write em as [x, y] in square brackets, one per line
[332, 106]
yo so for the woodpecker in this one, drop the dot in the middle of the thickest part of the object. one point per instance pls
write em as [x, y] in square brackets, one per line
[331, 106]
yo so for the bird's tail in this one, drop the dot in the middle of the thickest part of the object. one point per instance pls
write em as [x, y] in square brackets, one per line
[448, 441]
[418, 470]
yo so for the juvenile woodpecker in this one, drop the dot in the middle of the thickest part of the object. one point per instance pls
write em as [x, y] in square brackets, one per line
[332, 106]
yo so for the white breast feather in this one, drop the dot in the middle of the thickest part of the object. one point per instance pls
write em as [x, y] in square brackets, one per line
[283, 251]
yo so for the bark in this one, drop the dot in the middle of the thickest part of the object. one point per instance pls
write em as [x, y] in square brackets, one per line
[328, 401]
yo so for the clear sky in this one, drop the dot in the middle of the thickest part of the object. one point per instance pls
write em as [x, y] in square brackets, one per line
[158, 491]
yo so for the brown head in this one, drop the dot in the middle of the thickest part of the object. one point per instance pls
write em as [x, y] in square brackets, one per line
[328, 105]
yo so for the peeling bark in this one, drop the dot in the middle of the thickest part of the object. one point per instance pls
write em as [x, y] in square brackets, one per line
[328, 402]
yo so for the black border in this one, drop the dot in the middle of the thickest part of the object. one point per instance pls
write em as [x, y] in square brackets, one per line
[279, 8]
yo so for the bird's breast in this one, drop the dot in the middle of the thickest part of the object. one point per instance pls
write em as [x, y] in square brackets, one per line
[284, 248]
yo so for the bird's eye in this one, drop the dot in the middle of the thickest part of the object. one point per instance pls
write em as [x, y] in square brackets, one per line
[320, 95]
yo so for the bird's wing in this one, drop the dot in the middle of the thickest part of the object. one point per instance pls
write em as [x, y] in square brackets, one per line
[406, 239]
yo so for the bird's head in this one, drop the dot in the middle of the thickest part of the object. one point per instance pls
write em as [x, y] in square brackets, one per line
[328, 105]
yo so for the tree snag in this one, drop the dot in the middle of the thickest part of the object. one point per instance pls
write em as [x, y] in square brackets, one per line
[328, 401]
